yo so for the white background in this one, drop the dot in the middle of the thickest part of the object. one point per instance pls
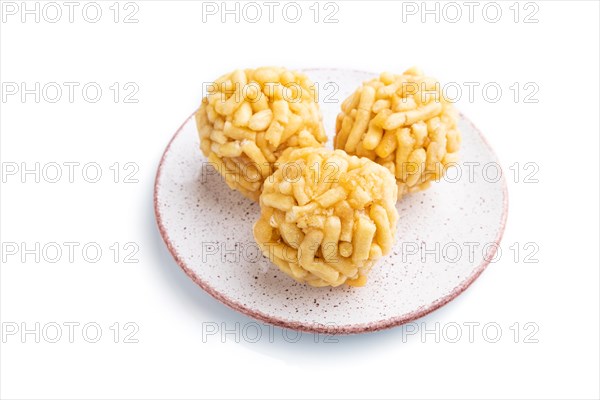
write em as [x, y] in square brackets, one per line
[168, 54]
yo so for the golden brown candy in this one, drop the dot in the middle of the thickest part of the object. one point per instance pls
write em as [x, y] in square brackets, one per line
[404, 123]
[327, 217]
[249, 117]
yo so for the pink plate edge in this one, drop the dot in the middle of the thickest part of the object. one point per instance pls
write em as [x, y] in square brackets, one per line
[318, 328]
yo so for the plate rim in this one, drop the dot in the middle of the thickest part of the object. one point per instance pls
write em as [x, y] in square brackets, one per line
[321, 328]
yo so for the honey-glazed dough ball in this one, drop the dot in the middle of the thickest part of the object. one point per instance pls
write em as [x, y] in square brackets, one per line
[327, 217]
[404, 123]
[249, 117]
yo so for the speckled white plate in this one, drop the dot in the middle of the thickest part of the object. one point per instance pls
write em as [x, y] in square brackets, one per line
[208, 230]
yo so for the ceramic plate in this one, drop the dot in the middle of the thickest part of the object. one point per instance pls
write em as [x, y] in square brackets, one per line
[208, 230]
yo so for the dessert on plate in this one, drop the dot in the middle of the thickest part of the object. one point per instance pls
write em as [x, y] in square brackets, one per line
[327, 217]
[404, 123]
[249, 117]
